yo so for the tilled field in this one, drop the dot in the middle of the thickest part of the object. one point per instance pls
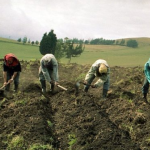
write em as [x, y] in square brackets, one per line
[63, 120]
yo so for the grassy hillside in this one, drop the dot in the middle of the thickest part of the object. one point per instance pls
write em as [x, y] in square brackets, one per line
[23, 52]
[115, 55]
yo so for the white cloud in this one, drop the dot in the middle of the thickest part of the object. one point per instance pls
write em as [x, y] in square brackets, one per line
[75, 19]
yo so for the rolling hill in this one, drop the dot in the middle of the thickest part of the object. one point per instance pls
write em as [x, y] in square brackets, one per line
[114, 54]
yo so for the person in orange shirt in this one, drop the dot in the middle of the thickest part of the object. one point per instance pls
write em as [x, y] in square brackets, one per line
[11, 71]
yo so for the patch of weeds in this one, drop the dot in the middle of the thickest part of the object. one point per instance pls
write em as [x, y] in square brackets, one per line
[9, 137]
[133, 91]
[130, 101]
[140, 111]
[21, 102]
[2, 102]
[51, 139]
[129, 128]
[50, 124]
[28, 66]
[81, 76]
[42, 97]
[41, 147]
[148, 141]
[73, 96]
[72, 140]
[16, 143]
[33, 61]
[37, 83]
[122, 95]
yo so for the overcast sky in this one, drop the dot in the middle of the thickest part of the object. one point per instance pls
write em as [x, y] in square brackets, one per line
[82, 19]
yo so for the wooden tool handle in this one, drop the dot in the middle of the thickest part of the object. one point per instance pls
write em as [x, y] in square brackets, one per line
[2, 87]
[62, 87]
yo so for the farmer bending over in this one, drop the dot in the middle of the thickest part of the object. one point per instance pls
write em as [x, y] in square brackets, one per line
[101, 70]
[11, 71]
[145, 86]
[48, 71]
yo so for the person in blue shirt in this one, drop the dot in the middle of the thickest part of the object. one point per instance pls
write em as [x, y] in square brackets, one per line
[145, 86]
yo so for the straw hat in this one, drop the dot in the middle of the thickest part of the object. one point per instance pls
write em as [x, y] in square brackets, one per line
[102, 69]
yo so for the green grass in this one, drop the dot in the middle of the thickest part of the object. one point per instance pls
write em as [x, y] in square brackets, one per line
[23, 52]
[115, 55]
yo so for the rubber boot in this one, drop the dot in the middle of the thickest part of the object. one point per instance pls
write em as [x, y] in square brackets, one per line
[85, 90]
[52, 87]
[145, 97]
[43, 84]
[16, 88]
[105, 93]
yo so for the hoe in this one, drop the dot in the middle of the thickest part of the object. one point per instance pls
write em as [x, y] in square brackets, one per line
[77, 85]
[62, 87]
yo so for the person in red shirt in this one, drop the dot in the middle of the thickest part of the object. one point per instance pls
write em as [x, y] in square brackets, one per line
[11, 71]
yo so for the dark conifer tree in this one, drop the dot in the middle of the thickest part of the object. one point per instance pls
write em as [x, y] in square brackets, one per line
[48, 43]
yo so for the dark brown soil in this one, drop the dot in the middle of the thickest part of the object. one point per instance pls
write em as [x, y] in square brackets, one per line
[65, 120]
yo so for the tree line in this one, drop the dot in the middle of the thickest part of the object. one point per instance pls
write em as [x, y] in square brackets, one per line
[97, 41]
[26, 40]
[74, 47]
[71, 47]
[101, 41]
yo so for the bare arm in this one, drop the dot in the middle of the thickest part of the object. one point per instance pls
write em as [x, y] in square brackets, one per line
[13, 77]
[5, 76]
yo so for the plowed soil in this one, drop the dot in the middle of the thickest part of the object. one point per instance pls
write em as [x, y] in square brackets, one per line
[64, 120]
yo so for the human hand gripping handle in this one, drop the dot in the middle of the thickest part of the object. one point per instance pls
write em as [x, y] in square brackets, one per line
[56, 83]
[10, 81]
[92, 85]
[4, 85]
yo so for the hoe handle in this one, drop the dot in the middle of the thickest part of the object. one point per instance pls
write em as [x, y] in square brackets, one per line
[2, 87]
[62, 87]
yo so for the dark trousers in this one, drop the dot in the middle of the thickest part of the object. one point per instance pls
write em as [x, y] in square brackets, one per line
[145, 86]
[16, 80]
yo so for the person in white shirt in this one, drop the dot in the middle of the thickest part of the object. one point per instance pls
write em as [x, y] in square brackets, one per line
[100, 69]
[48, 71]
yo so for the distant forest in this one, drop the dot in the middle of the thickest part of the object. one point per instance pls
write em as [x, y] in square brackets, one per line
[97, 41]
[101, 41]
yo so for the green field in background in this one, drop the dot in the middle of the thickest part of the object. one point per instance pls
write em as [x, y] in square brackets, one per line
[23, 52]
[115, 55]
